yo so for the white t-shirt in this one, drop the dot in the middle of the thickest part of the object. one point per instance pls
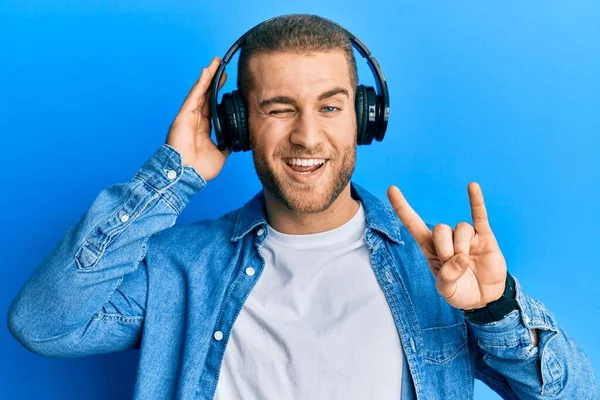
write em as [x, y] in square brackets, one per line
[315, 326]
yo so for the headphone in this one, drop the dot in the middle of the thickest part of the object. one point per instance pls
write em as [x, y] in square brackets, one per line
[230, 119]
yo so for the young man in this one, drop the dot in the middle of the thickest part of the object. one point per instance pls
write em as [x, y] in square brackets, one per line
[315, 288]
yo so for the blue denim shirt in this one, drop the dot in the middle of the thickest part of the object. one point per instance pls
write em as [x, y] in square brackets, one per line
[124, 277]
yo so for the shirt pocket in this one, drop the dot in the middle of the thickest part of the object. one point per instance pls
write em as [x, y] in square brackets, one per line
[441, 344]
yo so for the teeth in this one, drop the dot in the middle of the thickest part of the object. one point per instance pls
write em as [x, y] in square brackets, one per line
[305, 162]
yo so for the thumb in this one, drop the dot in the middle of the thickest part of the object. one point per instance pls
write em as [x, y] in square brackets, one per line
[449, 273]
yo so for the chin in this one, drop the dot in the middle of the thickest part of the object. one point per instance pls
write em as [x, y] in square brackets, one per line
[302, 198]
[307, 200]
[297, 197]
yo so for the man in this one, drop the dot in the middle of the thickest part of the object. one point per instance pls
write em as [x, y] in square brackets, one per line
[315, 288]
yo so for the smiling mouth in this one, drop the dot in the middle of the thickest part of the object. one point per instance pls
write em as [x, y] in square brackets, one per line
[304, 172]
[305, 169]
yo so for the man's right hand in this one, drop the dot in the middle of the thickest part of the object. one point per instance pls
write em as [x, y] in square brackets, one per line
[189, 133]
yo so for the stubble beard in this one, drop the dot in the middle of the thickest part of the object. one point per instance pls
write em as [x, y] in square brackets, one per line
[305, 198]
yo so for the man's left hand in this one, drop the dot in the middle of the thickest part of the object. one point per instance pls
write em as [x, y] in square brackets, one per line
[468, 266]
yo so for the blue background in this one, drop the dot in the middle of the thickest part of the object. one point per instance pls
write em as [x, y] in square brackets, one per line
[502, 94]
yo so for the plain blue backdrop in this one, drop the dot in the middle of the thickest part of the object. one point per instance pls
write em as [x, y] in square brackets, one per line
[502, 93]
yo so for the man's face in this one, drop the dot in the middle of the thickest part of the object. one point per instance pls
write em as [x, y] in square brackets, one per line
[301, 111]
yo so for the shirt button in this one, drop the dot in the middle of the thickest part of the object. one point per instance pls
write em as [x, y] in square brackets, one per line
[124, 218]
[171, 174]
[250, 271]
[260, 232]
[218, 335]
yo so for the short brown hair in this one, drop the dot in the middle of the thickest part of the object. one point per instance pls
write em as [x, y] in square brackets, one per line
[296, 33]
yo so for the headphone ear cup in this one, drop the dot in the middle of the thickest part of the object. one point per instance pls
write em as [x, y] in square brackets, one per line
[361, 114]
[225, 114]
[232, 117]
[370, 116]
[234, 133]
[242, 121]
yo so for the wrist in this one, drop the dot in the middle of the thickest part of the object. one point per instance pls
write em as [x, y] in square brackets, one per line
[497, 309]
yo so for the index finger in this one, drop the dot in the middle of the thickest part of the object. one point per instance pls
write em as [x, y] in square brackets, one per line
[415, 225]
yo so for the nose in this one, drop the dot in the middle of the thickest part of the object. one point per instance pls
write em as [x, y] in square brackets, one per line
[307, 131]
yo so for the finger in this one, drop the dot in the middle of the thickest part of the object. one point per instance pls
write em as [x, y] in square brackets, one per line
[223, 80]
[201, 86]
[463, 235]
[478, 211]
[449, 274]
[443, 242]
[204, 104]
[415, 225]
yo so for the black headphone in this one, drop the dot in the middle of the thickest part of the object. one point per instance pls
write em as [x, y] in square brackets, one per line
[230, 119]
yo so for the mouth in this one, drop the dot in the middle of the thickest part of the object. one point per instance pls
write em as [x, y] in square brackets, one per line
[305, 171]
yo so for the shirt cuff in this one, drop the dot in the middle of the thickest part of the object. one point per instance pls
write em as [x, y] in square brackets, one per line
[513, 332]
[165, 173]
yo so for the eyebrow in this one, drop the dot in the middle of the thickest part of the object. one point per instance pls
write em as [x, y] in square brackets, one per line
[333, 92]
[289, 100]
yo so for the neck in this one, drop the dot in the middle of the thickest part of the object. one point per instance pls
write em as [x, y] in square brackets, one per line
[293, 223]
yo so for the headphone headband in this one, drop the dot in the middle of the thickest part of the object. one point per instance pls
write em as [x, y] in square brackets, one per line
[364, 51]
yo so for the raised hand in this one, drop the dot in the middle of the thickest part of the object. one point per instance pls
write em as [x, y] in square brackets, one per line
[189, 133]
[468, 266]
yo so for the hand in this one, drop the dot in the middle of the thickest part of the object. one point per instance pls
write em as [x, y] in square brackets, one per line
[189, 133]
[468, 266]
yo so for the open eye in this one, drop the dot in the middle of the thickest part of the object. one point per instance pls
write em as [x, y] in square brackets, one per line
[330, 109]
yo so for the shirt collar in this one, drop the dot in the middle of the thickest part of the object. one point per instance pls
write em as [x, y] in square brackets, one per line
[379, 215]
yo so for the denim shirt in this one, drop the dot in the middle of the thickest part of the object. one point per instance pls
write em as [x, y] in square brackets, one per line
[124, 277]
